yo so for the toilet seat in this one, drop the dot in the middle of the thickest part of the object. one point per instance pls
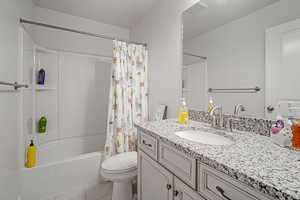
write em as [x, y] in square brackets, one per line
[120, 164]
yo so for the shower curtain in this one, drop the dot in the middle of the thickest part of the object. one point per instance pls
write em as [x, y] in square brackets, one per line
[128, 101]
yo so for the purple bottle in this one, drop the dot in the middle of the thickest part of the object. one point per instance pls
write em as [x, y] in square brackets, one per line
[41, 77]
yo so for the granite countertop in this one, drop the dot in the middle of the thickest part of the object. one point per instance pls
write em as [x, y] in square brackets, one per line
[252, 159]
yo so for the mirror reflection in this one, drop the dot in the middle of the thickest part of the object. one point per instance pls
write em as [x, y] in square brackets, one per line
[243, 56]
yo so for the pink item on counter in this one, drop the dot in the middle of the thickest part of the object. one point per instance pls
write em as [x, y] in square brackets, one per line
[276, 130]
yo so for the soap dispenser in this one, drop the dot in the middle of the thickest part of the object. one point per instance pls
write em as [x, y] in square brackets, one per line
[296, 133]
[183, 112]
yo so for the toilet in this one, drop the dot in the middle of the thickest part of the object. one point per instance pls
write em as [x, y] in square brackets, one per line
[121, 169]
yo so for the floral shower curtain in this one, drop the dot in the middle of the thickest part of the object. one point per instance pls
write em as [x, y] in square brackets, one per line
[128, 101]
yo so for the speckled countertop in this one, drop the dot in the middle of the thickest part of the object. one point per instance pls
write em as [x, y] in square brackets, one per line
[252, 159]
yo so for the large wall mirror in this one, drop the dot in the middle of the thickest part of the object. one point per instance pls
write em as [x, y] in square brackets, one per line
[243, 52]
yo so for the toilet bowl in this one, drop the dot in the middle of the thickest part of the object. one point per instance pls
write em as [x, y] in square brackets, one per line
[121, 169]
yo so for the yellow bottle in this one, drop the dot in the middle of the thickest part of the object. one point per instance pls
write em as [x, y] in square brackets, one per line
[31, 155]
[211, 104]
[183, 113]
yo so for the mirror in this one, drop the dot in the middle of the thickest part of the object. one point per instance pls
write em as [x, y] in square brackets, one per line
[243, 52]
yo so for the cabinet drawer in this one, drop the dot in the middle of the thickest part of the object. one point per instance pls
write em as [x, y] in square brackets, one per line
[217, 186]
[148, 144]
[183, 166]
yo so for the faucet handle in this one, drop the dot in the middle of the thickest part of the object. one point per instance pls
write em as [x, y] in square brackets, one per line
[230, 120]
[239, 108]
[212, 111]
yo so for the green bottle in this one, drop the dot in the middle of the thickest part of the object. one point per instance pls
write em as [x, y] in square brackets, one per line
[42, 126]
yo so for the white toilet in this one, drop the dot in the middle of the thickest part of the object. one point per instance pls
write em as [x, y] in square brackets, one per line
[121, 169]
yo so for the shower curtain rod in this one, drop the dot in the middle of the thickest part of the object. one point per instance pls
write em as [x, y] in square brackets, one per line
[24, 21]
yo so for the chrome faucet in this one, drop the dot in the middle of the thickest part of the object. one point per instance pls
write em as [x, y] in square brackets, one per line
[235, 119]
[238, 108]
[217, 120]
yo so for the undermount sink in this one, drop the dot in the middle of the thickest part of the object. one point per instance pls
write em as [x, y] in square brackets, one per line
[204, 137]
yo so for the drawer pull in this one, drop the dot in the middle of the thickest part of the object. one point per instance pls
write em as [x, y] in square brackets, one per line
[176, 193]
[222, 192]
[169, 186]
[145, 143]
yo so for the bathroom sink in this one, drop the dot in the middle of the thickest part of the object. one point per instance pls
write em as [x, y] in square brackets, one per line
[204, 137]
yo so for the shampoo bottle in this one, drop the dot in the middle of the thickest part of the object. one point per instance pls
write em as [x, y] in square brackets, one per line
[41, 77]
[183, 112]
[42, 125]
[31, 155]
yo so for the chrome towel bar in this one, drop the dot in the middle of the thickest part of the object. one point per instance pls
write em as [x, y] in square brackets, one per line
[16, 85]
[235, 90]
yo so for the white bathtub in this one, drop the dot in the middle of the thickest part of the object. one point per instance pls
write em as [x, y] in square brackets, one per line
[65, 175]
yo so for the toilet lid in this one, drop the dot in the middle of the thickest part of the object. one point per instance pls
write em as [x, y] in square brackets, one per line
[121, 162]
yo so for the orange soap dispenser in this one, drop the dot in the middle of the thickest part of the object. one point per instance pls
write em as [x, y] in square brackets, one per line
[296, 134]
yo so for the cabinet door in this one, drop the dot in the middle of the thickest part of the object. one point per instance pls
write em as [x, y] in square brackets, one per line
[154, 182]
[180, 164]
[184, 192]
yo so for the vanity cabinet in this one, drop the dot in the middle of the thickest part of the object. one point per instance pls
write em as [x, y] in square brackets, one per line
[165, 173]
[154, 181]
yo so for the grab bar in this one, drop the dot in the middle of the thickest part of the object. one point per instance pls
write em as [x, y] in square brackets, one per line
[16, 85]
[234, 90]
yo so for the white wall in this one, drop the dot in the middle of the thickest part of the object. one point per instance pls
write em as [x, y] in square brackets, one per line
[83, 96]
[84, 71]
[10, 11]
[194, 77]
[161, 29]
[236, 54]
[61, 40]
[77, 105]
[76, 109]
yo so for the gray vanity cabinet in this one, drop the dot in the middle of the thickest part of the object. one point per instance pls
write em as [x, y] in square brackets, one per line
[154, 181]
[165, 173]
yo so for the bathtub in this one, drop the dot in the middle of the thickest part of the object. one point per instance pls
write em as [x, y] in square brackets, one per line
[70, 174]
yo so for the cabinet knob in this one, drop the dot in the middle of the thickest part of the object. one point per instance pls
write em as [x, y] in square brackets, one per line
[169, 186]
[176, 193]
[270, 108]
